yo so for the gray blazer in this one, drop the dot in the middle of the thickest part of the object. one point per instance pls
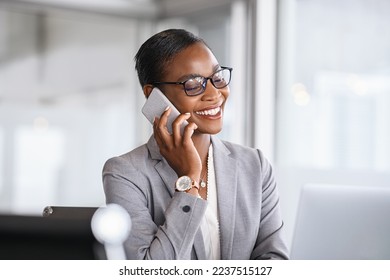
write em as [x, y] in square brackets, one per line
[166, 224]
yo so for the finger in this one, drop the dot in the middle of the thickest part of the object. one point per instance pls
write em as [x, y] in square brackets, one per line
[165, 140]
[156, 132]
[176, 127]
[188, 132]
[162, 124]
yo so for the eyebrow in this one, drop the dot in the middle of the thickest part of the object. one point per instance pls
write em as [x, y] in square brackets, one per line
[190, 76]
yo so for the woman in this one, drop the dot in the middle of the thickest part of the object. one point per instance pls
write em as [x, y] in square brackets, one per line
[191, 195]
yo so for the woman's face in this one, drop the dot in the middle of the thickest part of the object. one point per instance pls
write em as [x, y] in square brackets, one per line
[207, 108]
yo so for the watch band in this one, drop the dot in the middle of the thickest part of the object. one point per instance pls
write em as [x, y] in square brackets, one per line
[194, 184]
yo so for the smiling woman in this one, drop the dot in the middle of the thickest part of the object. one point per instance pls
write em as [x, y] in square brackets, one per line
[192, 195]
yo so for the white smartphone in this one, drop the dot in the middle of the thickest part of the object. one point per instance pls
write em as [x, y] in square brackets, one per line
[156, 104]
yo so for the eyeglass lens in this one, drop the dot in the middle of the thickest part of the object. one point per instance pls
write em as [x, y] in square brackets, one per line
[195, 86]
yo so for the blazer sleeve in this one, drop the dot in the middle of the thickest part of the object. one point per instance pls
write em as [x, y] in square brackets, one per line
[270, 243]
[125, 185]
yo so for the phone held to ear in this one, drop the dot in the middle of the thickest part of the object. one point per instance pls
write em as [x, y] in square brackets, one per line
[156, 104]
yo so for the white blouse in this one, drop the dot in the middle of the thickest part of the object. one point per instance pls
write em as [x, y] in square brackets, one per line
[210, 224]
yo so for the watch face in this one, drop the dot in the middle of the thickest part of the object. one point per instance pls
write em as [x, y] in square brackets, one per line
[183, 183]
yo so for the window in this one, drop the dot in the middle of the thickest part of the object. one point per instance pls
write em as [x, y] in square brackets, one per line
[333, 84]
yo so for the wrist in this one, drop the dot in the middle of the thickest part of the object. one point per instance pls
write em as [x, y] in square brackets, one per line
[194, 192]
[193, 175]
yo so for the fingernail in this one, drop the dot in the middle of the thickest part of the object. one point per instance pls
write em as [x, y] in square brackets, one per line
[166, 109]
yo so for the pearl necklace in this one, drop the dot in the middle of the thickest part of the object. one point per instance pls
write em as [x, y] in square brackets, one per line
[203, 183]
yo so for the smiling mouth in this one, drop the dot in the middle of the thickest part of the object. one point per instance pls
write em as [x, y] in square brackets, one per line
[210, 112]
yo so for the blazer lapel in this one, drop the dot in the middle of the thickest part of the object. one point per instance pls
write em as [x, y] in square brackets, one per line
[226, 179]
[166, 173]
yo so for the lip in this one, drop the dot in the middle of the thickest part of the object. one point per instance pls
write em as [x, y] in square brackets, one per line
[211, 107]
[217, 115]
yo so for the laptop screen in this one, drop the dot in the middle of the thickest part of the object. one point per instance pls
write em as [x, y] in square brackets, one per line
[342, 222]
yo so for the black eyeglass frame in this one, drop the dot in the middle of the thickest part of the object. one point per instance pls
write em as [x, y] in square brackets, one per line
[204, 82]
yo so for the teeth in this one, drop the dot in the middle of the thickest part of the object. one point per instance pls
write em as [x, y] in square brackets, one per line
[211, 112]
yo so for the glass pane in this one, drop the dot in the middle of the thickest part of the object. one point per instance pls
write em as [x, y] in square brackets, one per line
[333, 96]
[334, 85]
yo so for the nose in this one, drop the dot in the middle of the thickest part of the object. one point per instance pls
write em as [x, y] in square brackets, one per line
[210, 91]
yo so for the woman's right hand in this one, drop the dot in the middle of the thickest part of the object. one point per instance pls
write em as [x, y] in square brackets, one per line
[179, 150]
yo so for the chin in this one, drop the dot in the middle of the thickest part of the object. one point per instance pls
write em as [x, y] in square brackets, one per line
[216, 131]
[210, 130]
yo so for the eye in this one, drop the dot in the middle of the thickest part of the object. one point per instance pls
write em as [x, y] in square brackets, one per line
[193, 86]
[221, 78]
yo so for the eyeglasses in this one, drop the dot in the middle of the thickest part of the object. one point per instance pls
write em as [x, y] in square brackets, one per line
[197, 85]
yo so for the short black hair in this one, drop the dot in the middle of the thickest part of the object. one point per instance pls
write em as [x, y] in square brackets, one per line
[156, 52]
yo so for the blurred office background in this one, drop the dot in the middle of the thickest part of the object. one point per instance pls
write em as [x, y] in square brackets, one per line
[311, 88]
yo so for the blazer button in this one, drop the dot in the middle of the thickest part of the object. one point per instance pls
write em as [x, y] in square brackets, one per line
[186, 208]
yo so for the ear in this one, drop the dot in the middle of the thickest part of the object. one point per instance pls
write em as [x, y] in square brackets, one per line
[147, 90]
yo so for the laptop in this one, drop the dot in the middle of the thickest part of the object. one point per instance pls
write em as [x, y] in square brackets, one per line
[74, 212]
[338, 222]
[59, 237]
